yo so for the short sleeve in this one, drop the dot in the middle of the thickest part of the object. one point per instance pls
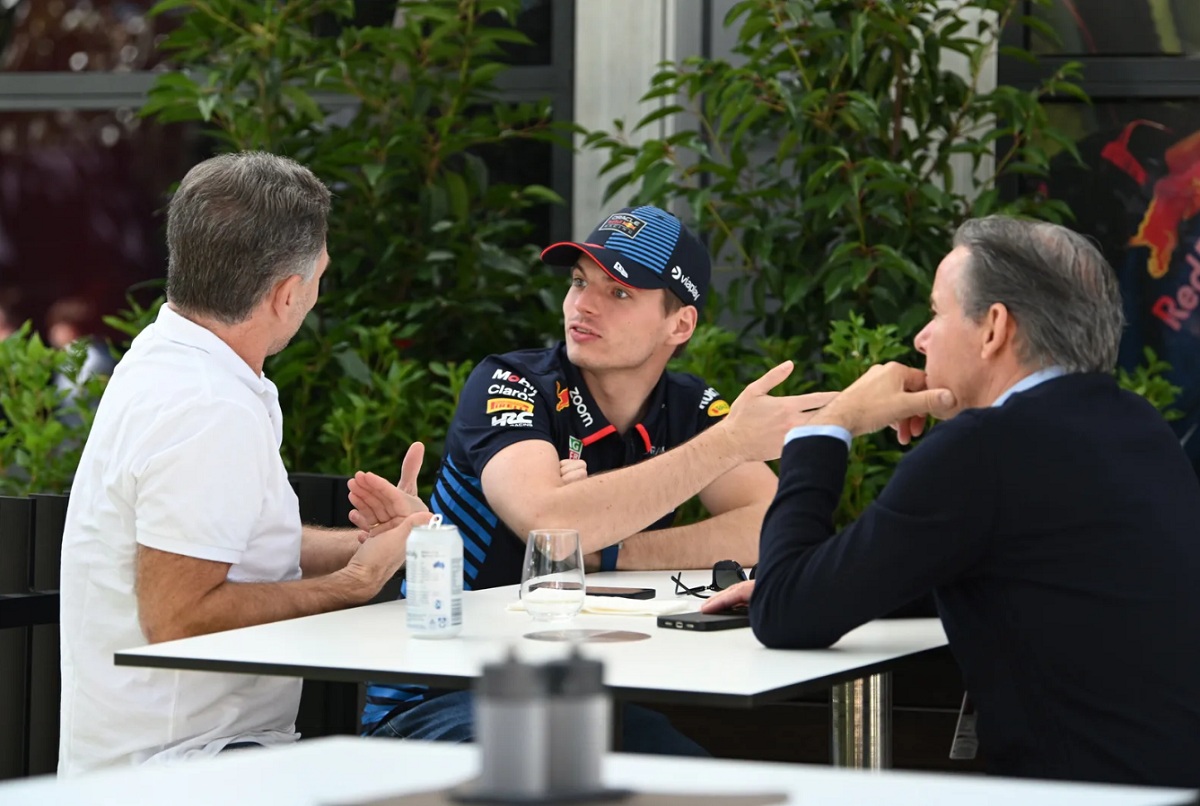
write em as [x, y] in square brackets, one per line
[200, 488]
[499, 406]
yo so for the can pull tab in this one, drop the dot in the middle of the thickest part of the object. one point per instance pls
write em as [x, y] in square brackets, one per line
[436, 520]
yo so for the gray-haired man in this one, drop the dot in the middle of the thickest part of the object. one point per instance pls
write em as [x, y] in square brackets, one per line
[182, 521]
[1054, 516]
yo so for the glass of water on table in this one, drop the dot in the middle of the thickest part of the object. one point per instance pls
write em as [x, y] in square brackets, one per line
[552, 584]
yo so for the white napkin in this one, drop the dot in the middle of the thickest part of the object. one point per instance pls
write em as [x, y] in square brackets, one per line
[620, 606]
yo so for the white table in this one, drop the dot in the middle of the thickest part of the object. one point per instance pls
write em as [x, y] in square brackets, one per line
[727, 668]
[345, 770]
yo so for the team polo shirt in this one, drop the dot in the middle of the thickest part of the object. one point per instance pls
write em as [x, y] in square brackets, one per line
[540, 394]
[183, 457]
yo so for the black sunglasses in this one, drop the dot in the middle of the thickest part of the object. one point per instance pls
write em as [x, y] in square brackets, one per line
[725, 574]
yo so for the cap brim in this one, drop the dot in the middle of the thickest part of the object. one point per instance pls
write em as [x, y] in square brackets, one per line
[620, 267]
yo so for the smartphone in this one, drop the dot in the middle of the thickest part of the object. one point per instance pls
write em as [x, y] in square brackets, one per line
[628, 593]
[705, 622]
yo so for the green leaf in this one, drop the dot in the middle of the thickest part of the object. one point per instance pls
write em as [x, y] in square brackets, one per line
[456, 192]
[543, 194]
[372, 174]
[205, 105]
[304, 102]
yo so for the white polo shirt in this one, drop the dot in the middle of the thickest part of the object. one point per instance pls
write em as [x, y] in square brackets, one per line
[183, 457]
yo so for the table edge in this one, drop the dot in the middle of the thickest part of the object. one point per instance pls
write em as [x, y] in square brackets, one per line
[665, 696]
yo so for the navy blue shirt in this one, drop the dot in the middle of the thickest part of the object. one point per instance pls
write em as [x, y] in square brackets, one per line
[1058, 531]
[539, 394]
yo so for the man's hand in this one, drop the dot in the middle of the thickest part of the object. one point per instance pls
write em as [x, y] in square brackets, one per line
[888, 394]
[757, 422]
[572, 470]
[380, 506]
[379, 558]
[736, 595]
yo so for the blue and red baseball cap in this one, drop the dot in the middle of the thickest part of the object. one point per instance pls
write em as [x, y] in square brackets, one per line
[643, 247]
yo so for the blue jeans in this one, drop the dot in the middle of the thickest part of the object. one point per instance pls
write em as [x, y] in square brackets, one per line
[450, 718]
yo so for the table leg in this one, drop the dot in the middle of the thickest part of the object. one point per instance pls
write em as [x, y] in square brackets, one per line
[862, 723]
[617, 725]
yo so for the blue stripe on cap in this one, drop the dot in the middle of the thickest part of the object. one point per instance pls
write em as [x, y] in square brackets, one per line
[653, 259]
[653, 244]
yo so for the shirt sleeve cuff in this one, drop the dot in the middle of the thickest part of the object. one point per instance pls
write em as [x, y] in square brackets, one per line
[818, 431]
[216, 554]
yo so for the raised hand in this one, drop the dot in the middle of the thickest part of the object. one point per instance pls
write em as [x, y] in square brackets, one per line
[378, 504]
[888, 394]
[758, 421]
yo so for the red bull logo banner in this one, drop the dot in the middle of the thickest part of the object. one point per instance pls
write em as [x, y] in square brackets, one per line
[1139, 198]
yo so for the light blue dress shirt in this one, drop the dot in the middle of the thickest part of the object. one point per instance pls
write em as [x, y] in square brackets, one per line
[1028, 382]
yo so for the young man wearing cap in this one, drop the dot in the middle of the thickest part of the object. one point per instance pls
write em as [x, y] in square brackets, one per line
[651, 440]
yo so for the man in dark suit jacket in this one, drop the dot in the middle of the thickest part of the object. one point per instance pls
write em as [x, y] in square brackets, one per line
[1054, 516]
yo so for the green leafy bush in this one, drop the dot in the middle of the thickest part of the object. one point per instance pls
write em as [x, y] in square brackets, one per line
[401, 121]
[387, 403]
[824, 156]
[1150, 381]
[43, 425]
[823, 166]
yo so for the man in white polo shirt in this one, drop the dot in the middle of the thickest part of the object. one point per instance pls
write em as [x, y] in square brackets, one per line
[181, 520]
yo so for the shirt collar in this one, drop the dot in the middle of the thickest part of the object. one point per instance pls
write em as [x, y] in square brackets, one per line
[576, 385]
[174, 326]
[1028, 382]
[584, 410]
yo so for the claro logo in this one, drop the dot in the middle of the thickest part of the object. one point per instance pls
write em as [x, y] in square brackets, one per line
[686, 282]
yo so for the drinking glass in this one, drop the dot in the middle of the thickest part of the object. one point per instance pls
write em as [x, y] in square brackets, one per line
[552, 584]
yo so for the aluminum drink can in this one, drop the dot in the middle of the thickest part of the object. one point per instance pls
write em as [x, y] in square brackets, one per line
[434, 579]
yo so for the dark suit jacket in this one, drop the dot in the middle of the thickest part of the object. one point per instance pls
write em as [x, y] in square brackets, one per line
[1059, 533]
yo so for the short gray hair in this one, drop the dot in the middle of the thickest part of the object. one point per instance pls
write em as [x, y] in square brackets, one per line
[237, 225]
[1054, 282]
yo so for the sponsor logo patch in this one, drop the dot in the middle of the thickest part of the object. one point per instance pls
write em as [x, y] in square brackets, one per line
[510, 391]
[619, 269]
[515, 379]
[508, 404]
[686, 282]
[505, 375]
[574, 448]
[522, 419]
[623, 223]
[581, 408]
[562, 395]
[719, 408]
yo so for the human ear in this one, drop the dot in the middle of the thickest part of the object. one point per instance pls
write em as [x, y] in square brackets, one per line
[684, 325]
[284, 294]
[998, 330]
